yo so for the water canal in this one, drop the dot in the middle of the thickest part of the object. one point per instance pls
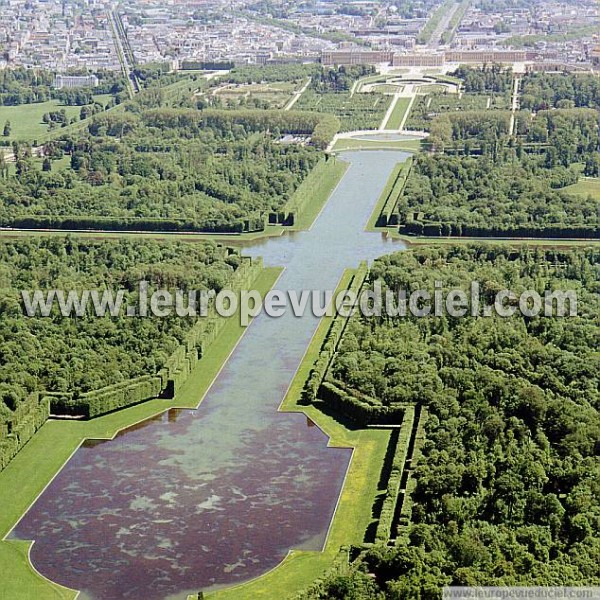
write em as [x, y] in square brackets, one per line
[199, 498]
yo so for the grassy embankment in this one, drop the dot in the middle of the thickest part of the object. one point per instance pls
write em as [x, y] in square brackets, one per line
[389, 193]
[43, 457]
[353, 515]
[318, 186]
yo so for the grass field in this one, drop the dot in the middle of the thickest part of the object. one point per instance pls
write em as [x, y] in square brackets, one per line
[26, 119]
[354, 512]
[397, 116]
[387, 88]
[584, 187]
[39, 461]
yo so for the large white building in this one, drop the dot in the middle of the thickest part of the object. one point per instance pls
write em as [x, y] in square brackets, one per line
[75, 81]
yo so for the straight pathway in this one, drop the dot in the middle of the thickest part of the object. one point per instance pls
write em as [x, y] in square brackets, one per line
[297, 95]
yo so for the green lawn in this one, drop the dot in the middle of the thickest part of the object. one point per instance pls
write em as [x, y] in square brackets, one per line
[584, 187]
[444, 78]
[387, 88]
[26, 119]
[353, 515]
[395, 120]
[34, 467]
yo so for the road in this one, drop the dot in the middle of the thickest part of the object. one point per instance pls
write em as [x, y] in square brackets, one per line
[124, 50]
[436, 37]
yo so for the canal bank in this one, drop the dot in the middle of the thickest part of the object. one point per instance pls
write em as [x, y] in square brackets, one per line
[195, 499]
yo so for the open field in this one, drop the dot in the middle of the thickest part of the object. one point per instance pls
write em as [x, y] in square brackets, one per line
[34, 467]
[397, 116]
[353, 515]
[26, 119]
[584, 187]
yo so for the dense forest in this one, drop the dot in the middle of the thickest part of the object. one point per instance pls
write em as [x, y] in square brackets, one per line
[540, 91]
[78, 354]
[507, 483]
[493, 79]
[473, 195]
[339, 80]
[166, 169]
[267, 74]
[491, 183]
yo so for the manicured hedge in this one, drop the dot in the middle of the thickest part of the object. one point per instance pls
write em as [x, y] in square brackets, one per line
[330, 344]
[28, 417]
[307, 190]
[405, 512]
[389, 214]
[129, 224]
[417, 227]
[386, 517]
[359, 411]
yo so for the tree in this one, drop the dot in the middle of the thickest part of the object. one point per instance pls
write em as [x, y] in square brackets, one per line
[7, 129]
